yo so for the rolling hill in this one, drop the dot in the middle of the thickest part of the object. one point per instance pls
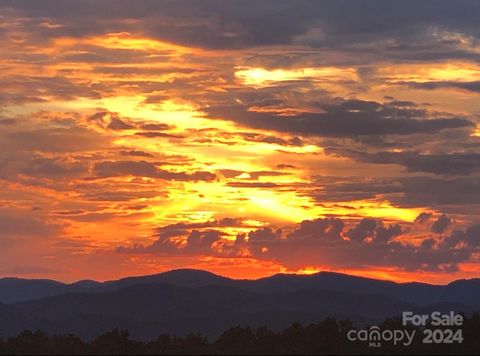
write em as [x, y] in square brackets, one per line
[183, 301]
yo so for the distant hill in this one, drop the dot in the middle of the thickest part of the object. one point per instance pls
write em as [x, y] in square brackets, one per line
[180, 277]
[16, 289]
[182, 301]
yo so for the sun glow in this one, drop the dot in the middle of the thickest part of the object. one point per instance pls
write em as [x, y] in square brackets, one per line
[264, 77]
[476, 132]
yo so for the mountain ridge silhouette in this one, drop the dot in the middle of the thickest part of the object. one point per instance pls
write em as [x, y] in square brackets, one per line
[14, 289]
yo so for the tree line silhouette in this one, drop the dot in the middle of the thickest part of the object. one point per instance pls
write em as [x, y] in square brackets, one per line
[326, 337]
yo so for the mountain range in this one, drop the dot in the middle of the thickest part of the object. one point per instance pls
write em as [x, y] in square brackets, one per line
[183, 301]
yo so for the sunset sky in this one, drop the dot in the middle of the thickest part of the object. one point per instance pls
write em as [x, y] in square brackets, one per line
[246, 138]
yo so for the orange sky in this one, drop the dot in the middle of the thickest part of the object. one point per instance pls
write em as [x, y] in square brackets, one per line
[138, 141]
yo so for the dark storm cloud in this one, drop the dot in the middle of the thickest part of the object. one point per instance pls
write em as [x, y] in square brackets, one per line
[43, 88]
[371, 243]
[197, 243]
[52, 168]
[255, 137]
[156, 127]
[107, 169]
[53, 139]
[155, 134]
[347, 118]
[130, 72]
[441, 224]
[449, 164]
[212, 24]
[199, 238]
[374, 229]
[253, 185]
[135, 153]
[119, 168]
[367, 243]
[8, 99]
[115, 196]
[285, 166]
[336, 191]
[423, 217]
[470, 237]
[236, 24]
[459, 194]
[422, 191]
[468, 86]
[118, 124]
[181, 227]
